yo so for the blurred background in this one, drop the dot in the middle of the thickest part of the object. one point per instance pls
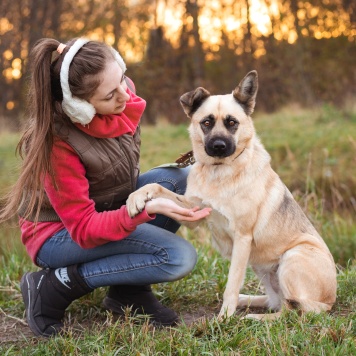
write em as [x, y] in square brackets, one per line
[304, 51]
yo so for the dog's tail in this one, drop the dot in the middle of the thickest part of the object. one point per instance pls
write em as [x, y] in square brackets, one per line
[307, 305]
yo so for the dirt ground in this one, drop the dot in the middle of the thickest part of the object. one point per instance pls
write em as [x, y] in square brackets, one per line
[14, 329]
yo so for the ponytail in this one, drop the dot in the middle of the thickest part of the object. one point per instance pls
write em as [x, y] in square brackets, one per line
[37, 140]
[44, 106]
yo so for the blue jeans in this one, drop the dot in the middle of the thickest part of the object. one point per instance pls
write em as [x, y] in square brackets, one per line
[151, 254]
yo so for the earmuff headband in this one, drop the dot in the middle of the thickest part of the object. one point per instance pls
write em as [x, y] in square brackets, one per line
[79, 110]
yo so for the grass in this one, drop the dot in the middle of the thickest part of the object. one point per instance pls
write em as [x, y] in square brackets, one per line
[314, 153]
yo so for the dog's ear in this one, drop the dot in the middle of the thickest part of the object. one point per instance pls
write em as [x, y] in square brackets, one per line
[245, 93]
[192, 100]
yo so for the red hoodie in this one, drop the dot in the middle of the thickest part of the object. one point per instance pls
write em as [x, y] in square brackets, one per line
[71, 200]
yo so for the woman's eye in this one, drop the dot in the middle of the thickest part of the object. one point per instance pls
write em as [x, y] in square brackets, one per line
[109, 97]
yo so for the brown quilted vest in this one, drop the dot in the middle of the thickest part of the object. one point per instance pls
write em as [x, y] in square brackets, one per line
[111, 164]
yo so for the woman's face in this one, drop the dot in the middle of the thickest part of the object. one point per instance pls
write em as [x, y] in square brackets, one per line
[110, 97]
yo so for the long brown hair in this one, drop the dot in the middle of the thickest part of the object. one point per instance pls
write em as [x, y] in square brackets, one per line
[43, 108]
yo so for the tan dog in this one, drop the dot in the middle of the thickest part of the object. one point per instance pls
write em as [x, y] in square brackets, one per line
[255, 219]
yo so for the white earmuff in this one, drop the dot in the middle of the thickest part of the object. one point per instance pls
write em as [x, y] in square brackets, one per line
[118, 59]
[79, 110]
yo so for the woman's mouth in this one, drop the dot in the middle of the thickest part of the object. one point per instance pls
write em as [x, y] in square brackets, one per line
[121, 106]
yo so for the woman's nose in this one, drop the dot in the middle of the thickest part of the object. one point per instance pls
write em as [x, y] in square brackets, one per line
[123, 95]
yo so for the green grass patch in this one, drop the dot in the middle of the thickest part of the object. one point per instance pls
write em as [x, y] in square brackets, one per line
[8, 161]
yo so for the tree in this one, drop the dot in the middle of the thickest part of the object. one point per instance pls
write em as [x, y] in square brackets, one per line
[191, 54]
[308, 45]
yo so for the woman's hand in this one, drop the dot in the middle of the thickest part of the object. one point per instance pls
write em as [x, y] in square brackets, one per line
[172, 210]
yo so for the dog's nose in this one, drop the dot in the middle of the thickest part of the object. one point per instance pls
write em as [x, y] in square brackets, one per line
[219, 146]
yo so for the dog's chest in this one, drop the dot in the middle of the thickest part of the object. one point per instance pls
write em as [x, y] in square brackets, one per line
[229, 205]
[231, 212]
[221, 233]
[220, 224]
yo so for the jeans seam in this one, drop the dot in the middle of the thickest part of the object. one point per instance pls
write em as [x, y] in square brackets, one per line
[87, 278]
[136, 242]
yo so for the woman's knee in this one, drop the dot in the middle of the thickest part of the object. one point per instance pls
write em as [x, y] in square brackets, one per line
[183, 262]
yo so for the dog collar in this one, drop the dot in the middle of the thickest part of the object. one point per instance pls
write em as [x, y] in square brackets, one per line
[185, 160]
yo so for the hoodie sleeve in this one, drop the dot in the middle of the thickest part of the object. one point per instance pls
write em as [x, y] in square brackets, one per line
[71, 201]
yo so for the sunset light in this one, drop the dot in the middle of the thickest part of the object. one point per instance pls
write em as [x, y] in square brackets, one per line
[208, 29]
[264, 17]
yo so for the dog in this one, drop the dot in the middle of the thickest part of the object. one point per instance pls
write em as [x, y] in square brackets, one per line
[254, 219]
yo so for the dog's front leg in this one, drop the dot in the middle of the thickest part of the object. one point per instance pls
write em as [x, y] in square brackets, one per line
[239, 259]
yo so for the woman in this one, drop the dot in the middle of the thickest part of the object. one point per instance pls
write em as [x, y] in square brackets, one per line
[80, 163]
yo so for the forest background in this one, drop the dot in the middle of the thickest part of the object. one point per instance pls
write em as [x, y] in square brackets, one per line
[304, 51]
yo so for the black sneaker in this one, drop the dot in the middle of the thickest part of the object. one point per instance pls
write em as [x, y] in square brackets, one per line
[47, 294]
[36, 306]
[141, 301]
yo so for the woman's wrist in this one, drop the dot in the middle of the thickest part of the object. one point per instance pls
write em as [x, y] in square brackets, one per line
[152, 206]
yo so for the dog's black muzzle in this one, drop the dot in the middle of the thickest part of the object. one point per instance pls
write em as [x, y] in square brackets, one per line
[220, 147]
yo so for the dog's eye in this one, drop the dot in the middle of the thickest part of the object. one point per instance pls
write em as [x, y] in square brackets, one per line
[206, 123]
[231, 123]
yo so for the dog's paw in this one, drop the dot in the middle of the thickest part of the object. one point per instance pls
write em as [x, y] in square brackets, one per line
[253, 317]
[262, 317]
[136, 202]
[226, 312]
